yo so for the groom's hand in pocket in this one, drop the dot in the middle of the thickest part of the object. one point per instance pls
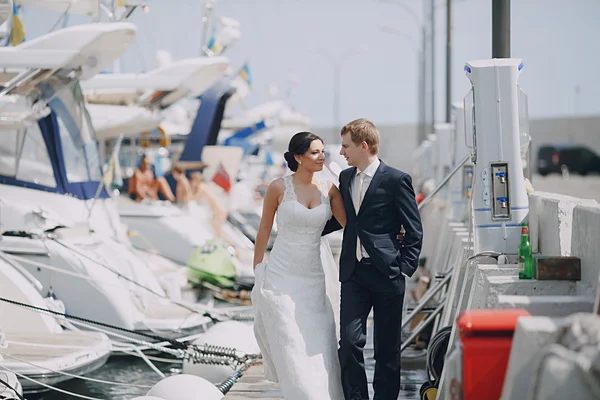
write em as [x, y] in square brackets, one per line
[400, 236]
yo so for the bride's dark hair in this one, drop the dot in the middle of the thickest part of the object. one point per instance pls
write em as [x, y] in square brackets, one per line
[299, 144]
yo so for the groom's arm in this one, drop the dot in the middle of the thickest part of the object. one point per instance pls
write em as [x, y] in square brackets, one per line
[331, 226]
[410, 218]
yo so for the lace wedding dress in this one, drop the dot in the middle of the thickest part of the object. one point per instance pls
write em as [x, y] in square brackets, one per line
[296, 303]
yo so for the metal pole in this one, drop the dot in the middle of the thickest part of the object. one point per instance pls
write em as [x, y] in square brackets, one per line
[426, 298]
[500, 28]
[424, 83]
[419, 328]
[336, 95]
[205, 25]
[448, 59]
[432, 64]
[420, 99]
[117, 62]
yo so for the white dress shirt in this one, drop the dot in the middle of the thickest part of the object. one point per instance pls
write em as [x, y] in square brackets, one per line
[369, 172]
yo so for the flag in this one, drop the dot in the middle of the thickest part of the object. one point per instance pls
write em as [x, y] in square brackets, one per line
[222, 179]
[17, 34]
[245, 74]
[214, 46]
[269, 158]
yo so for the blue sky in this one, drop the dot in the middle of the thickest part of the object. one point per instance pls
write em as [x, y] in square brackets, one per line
[557, 40]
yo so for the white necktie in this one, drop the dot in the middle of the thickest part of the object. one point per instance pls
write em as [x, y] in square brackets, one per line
[359, 197]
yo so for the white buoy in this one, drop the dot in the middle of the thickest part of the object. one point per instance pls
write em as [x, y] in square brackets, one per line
[185, 387]
[232, 334]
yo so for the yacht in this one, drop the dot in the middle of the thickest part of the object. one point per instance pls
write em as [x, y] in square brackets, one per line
[56, 215]
[38, 348]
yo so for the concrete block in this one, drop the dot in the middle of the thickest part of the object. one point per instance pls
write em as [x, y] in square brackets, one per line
[549, 306]
[480, 286]
[570, 368]
[455, 245]
[531, 336]
[561, 376]
[464, 288]
[597, 301]
[439, 260]
[431, 218]
[512, 285]
[533, 220]
[585, 245]
[551, 219]
[456, 283]
[451, 375]
[451, 249]
[459, 242]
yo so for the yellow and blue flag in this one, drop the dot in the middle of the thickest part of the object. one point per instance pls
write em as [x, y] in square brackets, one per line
[17, 34]
[245, 74]
[214, 46]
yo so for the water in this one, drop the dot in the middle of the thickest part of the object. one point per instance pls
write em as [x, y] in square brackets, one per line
[124, 369]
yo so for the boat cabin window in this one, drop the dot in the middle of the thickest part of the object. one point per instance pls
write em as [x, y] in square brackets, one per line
[9, 145]
[24, 156]
[81, 159]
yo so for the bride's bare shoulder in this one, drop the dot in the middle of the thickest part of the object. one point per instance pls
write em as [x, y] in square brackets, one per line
[278, 183]
[277, 186]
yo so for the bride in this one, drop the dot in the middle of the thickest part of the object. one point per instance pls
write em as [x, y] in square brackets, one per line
[296, 295]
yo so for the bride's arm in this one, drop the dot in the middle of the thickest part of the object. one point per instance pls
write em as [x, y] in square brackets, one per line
[337, 205]
[270, 202]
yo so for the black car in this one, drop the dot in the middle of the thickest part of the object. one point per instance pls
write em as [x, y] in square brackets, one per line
[575, 159]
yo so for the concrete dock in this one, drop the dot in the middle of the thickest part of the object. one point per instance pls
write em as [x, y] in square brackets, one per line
[253, 385]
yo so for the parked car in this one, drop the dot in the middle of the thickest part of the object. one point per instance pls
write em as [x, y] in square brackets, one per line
[575, 159]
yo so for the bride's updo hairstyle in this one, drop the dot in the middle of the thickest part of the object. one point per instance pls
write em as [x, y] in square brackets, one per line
[299, 144]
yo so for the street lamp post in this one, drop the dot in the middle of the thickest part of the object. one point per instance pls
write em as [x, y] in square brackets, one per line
[421, 99]
[336, 64]
[206, 19]
[448, 60]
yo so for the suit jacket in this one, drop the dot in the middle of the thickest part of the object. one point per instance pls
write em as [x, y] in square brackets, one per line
[388, 204]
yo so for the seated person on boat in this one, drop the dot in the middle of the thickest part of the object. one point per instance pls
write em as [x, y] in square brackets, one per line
[143, 184]
[183, 188]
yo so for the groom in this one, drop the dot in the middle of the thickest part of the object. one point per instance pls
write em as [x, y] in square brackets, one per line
[379, 201]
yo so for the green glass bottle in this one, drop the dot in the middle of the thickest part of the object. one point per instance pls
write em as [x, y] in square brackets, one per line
[525, 254]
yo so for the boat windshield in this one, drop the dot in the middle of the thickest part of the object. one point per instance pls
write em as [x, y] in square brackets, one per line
[81, 162]
[24, 156]
[77, 137]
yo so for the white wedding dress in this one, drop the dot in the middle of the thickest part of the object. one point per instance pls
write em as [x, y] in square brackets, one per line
[296, 303]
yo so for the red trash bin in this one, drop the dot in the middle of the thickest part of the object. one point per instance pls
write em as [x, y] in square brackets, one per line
[486, 339]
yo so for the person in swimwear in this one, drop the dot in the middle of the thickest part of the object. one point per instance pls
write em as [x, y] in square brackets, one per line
[143, 184]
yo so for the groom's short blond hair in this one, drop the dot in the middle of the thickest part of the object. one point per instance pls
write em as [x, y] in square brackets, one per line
[363, 130]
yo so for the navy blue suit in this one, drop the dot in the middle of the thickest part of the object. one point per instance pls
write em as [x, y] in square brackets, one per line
[376, 282]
